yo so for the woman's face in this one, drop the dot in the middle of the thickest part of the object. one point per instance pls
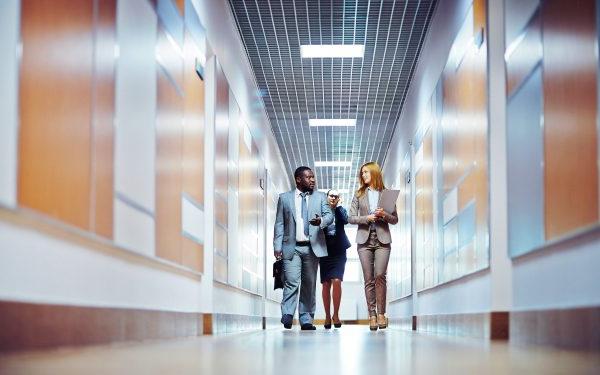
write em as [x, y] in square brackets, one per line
[333, 198]
[365, 173]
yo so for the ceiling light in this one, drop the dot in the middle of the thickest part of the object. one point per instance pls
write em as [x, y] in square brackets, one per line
[332, 122]
[333, 163]
[332, 50]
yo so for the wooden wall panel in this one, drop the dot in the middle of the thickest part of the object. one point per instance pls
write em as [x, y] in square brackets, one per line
[103, 118]
[55, 101]
[424, 216]
[220, 266]
[193, 126]
[465, 150]
[193, 146]
[168, 170]
[570, 129]
[221, 134]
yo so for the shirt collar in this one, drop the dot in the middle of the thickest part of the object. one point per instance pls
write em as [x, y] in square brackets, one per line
[298, 192]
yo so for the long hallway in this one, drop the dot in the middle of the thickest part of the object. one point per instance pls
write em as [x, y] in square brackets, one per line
[350, 350]
[180, 180]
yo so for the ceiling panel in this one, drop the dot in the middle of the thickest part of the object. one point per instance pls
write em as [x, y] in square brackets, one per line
[371, 89]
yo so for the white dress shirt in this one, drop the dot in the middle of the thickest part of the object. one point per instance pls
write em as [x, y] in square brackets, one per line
[373, 196]
[300, 236]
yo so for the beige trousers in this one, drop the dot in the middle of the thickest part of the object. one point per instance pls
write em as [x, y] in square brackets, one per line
[374, 258]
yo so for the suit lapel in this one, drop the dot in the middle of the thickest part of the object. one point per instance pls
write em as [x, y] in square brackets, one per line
[312, 202]
[292, 202]
[363, 203]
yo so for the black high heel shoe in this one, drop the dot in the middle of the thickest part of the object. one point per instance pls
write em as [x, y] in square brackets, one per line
[337, 324]
[327, 325]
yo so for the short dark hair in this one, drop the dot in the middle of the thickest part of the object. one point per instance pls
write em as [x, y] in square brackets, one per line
[300, 170]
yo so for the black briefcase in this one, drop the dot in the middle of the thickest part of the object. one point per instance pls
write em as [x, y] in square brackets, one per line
[278, 274]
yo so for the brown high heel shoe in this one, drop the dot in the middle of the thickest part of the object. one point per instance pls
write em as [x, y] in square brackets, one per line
[373, 323]
[382, 321]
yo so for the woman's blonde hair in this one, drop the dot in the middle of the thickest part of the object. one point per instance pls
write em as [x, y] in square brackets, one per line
[376, 178]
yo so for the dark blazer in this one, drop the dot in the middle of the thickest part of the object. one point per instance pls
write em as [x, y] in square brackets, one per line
[339, 243]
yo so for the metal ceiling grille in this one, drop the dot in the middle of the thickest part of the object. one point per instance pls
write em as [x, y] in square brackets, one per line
[371, 89]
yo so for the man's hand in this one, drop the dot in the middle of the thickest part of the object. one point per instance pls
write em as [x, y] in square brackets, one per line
[278, 254]
[316, 221]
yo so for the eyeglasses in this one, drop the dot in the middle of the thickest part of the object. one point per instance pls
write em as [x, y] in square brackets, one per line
[334, 196]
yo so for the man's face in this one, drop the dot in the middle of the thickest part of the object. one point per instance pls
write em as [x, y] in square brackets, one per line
[306, 181]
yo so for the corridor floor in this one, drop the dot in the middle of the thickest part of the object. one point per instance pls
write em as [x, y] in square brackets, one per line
[349, 350]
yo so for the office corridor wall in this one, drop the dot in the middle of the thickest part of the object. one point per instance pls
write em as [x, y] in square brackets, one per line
[471, 278]
[103, 191]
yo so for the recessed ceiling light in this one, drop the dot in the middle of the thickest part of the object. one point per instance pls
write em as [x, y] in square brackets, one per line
[332, 122]
[332, 50]
[333, 163]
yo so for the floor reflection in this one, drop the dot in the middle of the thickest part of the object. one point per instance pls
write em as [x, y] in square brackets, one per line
[349, 350]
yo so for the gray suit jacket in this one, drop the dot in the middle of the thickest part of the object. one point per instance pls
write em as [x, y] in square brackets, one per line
[284, 238]
[359, 210]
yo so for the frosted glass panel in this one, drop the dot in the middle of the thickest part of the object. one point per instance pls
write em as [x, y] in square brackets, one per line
[525, 166]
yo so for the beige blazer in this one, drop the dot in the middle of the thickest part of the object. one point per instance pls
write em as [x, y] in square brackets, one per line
[359, 210]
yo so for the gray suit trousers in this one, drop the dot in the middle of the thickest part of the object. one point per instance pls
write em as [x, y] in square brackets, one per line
[300, 278]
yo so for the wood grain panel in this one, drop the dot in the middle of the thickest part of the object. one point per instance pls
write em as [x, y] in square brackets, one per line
[55, 101]
[193, 126]
[571, 328]
[465, 139]
[424, 215]
[193, 146]
[221, 133]
[169, 131]
[103, 118]
[180, 6]
[26, 326]
[570, 130]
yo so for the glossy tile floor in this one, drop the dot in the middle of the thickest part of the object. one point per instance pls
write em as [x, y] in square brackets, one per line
[349, 350]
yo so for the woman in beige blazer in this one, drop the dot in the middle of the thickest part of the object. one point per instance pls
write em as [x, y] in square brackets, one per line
[373, 240]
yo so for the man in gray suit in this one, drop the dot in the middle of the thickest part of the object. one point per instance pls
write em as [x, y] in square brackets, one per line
[302, 214]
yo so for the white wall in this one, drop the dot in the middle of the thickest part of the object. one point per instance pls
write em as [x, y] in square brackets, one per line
[446, 21]
[560, 275]
[37, 267]
[135, 137]
[222, 36]
[473, 293]
[9, 92]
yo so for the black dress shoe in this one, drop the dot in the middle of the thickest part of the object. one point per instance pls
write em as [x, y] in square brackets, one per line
[308, 327]
[287, 321]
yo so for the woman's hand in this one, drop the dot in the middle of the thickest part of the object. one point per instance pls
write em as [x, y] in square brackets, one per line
[371, 218]
[379, 213]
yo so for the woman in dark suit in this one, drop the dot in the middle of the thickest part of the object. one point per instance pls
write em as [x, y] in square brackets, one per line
[333, 265]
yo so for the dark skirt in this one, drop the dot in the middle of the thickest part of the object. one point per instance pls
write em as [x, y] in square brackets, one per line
[332, 267]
